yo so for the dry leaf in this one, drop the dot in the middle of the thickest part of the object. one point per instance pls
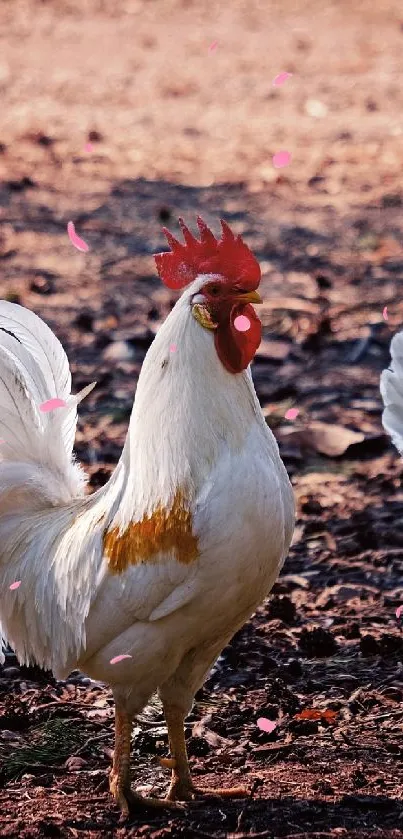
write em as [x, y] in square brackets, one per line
[315, 714]
[333, 440]
[213, 739]
[327, 439]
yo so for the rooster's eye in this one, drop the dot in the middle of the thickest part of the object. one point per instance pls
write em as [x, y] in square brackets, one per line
[214, 290]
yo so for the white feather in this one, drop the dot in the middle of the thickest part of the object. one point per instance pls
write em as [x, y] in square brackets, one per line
[392, 393]
[34, 369]
[41, 343]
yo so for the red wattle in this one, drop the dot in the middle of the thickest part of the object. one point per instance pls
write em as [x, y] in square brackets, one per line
[236, 349]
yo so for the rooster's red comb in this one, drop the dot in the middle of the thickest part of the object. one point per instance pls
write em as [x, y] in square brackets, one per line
[228, 256]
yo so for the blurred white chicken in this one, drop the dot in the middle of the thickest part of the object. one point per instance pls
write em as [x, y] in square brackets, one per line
[392, 393]
[168, 560]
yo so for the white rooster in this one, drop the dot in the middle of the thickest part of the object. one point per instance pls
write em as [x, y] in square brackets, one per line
[161, 566]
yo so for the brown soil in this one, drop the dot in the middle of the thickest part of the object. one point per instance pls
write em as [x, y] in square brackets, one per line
[178, 128]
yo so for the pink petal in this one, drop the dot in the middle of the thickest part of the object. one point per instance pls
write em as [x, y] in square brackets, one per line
[281, 159]
[74, 239]
[213, 46]
[15, 585]
[242, 323]
[281, 78]
[51, 404]
[399, 611]
[385, 313]
[291, 414]
[266, 725]
[118, 658]
[173, 348]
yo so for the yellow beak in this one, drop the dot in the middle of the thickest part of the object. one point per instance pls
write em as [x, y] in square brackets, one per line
[250, 297]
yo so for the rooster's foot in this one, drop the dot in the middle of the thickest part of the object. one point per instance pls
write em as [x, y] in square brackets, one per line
[131, 801]
[189, 792]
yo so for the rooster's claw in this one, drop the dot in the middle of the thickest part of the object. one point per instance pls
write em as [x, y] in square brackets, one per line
[180, 792]
[131, 801]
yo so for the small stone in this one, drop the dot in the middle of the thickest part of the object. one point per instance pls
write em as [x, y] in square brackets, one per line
[75, 763]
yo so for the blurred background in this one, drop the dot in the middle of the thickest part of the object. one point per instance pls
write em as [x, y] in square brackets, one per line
[120, 116]
[123, 116]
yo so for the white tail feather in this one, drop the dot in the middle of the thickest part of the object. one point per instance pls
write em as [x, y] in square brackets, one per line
[392, 393]
[37, 467]
[41, 344]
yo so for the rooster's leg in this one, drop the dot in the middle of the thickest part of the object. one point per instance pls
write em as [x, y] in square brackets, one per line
[119, 778]
[181, 782]
[182, 787]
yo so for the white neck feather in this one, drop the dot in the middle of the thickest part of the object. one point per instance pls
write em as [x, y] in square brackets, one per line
[188, 407]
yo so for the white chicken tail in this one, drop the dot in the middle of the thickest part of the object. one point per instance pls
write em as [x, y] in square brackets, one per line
[392, 393]
[37, 467]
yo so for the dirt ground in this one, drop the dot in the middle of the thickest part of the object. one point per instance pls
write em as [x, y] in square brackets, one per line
[179, 126]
